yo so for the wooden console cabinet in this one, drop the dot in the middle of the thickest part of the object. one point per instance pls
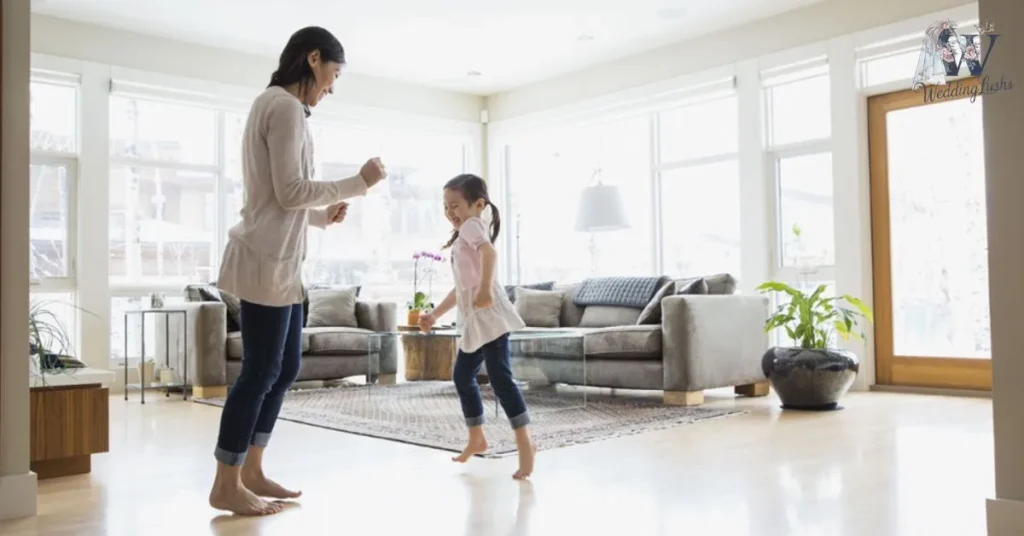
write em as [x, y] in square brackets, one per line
[70, 423]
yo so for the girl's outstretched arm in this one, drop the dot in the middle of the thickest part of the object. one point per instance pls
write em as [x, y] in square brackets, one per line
[488, 258]
[446, 305]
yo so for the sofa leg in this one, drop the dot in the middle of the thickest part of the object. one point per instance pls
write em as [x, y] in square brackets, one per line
[684, 398]
[209, 391]
[753, 389]
[387, 379]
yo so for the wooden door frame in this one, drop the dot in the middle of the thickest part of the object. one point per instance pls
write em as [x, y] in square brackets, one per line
[890, 369]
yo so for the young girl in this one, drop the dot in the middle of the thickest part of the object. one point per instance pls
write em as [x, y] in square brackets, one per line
[485, 318]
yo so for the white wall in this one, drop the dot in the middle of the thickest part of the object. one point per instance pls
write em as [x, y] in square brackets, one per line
[1004, 160]
[59, 37]
[818, 22]
[17, 482]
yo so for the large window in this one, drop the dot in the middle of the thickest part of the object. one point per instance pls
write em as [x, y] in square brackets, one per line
[798, 132]
[699, 183]
[163, 193]
[53, 178]
[548, 172]
[402, 215]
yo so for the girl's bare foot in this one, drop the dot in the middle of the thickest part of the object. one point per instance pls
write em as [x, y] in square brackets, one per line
[526, 456]
[260, 485]
[239, 500]
[476, 445]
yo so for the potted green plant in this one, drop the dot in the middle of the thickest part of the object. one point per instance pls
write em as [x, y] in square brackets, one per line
[421, 300]
[50, 345]
[814, 374]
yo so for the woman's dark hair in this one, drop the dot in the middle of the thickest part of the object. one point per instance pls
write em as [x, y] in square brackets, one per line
[473, 189]
[293, 67]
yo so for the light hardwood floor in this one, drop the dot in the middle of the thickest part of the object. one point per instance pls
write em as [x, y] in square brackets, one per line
[888, 464]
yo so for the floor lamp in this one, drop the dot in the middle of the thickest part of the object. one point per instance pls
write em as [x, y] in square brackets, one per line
[600, 210]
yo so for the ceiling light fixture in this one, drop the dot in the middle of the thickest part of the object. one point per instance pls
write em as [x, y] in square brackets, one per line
[473, 73]
[585, 37]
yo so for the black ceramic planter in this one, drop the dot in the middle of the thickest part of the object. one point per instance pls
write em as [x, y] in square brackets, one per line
[810, 378]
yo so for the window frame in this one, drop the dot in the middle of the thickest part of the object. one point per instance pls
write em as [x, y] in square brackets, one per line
[773, 156]
[69, 161]
[659, 167]
[137, 284]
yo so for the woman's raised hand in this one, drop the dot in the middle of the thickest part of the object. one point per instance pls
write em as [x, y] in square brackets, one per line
[373, 172]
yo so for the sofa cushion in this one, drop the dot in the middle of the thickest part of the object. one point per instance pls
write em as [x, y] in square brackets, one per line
[603, 316]
[305, 299]
[624, 342]
[341, 341]
[334, 308]
[234, 345]
[652, 313]
[717, 283]
[693, 287]
[510, 290]
[571, 313]
[539, 308]
[568, 347]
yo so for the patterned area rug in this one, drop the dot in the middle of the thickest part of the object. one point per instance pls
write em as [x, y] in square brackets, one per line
[428, 414]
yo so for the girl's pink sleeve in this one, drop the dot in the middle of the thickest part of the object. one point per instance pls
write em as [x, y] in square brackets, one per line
[473, 232]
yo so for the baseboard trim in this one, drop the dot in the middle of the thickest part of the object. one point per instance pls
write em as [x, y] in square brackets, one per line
[1005, 517]
[18, 496]
[908, 390]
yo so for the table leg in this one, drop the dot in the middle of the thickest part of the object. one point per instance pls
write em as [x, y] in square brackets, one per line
[167, 349]
[142, 362]
[184, 353]
[126, 357]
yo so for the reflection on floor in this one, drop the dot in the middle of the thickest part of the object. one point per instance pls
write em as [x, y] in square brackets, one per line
[889, 464]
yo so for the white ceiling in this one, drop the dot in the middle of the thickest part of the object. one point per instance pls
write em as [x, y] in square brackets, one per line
[510, 43]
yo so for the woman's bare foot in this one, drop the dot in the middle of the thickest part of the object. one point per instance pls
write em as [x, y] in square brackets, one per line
[239, 500]
[265, 487]
[476, 445]
[526, 456]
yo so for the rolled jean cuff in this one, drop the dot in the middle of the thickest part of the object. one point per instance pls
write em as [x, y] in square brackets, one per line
[261, 439]
[475, 421]
[520, 420]
[229, 458]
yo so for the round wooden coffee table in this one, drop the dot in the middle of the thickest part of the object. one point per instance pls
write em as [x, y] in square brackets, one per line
[430, 356]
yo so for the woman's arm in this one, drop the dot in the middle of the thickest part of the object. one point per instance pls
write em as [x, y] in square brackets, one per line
[317, 217]
[285, 136]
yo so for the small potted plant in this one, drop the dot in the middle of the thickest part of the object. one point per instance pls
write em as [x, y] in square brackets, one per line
[814, 374]
[421, 300]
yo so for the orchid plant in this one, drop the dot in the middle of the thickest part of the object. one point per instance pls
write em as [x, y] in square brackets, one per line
[423, 268]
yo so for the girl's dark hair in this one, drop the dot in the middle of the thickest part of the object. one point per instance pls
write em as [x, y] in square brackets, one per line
[473, 189]
[293, 67]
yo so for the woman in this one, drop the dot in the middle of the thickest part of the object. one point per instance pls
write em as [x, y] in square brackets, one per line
[263, 259]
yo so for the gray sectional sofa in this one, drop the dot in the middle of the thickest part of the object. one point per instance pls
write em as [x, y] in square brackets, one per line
[334, 351]
[707, 337]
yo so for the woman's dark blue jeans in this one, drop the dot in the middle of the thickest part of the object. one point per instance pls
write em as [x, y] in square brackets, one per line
[467, 365]
[271, 355]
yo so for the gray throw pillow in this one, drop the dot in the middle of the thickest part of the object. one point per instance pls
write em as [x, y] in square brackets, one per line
[652, 313]
[510, 290]
[694, 286]
[333, 308]
[539, 308]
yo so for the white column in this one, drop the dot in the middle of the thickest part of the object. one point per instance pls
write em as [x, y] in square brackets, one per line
[756, 227]
[93, 216]
[17, 482]
[1004, 162]
[851, 194]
